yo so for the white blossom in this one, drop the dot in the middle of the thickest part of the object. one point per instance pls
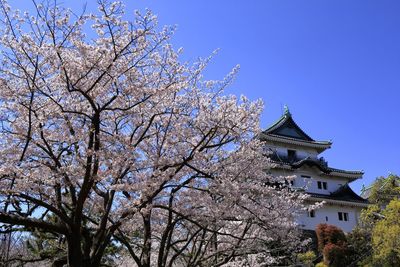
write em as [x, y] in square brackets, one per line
[122, 142]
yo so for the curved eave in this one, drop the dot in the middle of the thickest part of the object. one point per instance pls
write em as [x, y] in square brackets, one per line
[277, 124]
[346, 191]
[346, 174]
[351, 175]
[319, 145]
[339, 202]
[280, 165]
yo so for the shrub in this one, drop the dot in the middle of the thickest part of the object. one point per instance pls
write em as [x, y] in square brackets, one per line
[321, 264]
[306, 258]
[335, 255]
[327, 233]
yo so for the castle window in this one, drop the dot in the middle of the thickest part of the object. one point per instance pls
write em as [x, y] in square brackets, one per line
[291, 155]
[343, 216]
[311, 214]
[322, 185]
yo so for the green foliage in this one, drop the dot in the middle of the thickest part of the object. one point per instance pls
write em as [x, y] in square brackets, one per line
[373, 242]
[321, 264]
[386, 236]
[306, 258]
[46, 245]
[359, 245]
[359, 240]
[369, 217]
[53, 247]
[384, 190]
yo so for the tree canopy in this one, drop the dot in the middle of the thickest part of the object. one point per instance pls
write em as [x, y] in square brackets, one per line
[107, 133]
[373, 241]
[386, 236]
[384, 189]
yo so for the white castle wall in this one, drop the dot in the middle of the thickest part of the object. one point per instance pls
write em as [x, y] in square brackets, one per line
[329, 214]
[303, 153]
[310, 185]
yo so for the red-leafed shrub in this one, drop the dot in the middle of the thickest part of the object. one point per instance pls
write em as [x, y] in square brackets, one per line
[327, 233]
[332, 244]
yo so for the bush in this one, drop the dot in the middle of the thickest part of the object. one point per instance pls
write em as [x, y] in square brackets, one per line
[321, 264]
[306, 258]
[327, 233]
[335, 255]
[332, 244]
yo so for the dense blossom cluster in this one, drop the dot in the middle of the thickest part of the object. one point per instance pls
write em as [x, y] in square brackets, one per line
[110, 134]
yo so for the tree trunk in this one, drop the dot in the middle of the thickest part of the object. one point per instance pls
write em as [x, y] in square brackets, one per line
[75, 257]
[147, 239]
[60, 262]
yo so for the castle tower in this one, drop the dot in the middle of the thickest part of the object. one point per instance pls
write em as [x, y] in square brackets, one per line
[296, 153]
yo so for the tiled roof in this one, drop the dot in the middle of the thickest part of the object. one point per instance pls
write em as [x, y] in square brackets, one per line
[344, 193]
[320, 163]
[287, 129]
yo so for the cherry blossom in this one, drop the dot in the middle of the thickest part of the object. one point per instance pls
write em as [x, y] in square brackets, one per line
[104, 128]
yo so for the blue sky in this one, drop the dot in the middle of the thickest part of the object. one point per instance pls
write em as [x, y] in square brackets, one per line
[334, 63]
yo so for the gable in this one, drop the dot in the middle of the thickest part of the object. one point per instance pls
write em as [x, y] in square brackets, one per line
[290, 132]
[289, 128]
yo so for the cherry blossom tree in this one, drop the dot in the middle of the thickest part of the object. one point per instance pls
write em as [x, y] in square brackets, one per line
[107, 139]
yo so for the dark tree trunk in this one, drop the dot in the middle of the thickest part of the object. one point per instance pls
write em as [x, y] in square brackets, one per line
[77, 254]
[75, 257]
[147, 240]
[60, 262]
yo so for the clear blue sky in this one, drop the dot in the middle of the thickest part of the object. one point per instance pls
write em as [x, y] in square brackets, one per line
[334, 63]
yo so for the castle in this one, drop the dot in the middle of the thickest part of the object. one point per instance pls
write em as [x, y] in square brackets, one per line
[293, 152]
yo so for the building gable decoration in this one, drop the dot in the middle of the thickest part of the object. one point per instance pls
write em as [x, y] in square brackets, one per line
[287, 127]
[286, 130]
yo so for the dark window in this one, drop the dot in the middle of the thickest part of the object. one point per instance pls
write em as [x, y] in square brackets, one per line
[305, 176]
[311, 213]
[343, 216]
[322, 185]
[326, 218]
[291, 155]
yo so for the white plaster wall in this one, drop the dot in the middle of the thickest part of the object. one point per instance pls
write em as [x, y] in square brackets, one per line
[301, 153]
[328, 213]
[311, 184]
[331, 212]
[328, 210]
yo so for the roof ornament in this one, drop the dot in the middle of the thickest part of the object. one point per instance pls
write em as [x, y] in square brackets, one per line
[286, 111]
[323, 162]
